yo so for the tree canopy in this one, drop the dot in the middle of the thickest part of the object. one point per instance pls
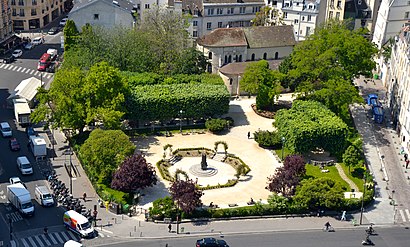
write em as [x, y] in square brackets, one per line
[134, 173]
[186, 195]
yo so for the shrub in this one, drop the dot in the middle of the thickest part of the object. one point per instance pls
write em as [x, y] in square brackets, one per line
[111, 195]
[268, 139]
[216, 124]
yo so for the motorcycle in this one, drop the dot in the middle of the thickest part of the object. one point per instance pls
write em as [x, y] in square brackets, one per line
[367, 242]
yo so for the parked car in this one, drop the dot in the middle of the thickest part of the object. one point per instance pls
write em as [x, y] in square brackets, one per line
[211, 242]
[53, 30]
[37, 41]
[24, 165]
[63, 22]
[28, 46]
[5, 129]
[9, 59]
[16, 180]
[30, 131]
[17, 53]
[14, 144]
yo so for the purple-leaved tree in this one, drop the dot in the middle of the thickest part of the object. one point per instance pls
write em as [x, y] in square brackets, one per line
[186, 195]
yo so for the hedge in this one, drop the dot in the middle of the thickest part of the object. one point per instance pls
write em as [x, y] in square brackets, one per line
[149, 78]
[268, 139]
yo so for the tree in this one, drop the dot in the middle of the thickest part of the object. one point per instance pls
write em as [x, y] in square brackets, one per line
[352, 156]
[267, 16]
[71, 35]
[286, 178]
[332, 52]
[186, 195]
[255, 74]
[191, 61]
[163, 207]
[103, 152]
[133, 174]
[319, 193]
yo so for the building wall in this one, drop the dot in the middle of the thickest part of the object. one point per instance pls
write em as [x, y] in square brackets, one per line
[101, 14]
[33, 14]
[6, 27]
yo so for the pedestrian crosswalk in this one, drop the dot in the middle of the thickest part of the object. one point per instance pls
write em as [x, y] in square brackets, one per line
[25, 70]
[15, 216]
[51, 239]
[403, 215]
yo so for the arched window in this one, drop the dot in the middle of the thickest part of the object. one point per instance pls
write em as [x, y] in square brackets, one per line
[230, 81]
[265, 56]
[236, 58]
[226, 59]
[209, 68]
[276, 55]
[240, 58]
[230, 59]
[210, 55]
[253, 57]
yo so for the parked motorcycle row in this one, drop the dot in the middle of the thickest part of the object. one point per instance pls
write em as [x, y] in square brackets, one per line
[63, 197]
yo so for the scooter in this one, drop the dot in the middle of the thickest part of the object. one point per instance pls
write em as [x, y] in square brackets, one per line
[367, 242]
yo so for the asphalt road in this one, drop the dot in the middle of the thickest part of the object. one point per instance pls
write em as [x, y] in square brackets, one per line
[10, 76]
[387, 237]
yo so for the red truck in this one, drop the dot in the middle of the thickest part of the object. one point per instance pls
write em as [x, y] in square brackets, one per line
[44, 62]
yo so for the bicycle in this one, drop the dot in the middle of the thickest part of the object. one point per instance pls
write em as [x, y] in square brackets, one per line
[328, 229]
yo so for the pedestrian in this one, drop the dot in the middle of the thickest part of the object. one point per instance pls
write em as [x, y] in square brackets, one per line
[169, 228]
[406, 157]
[343, 216]
[407, 164]
[45, 230]
[249, 135]
[84, 197]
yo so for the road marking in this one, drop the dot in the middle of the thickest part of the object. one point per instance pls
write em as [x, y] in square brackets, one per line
[7, 65]
[13, 243]
[31, 241]
[52, 238]
[59, 238]
[106, 231]
[31, 71]
[14, 216]
[1, 66]
[39, 241]
[18, 70]
[402, 215]
[71, 235]
[66, 238]
[15, 67]
[37, 73]
[25, 243]
[45, 240]
[100, 234]
[408, 213]
[23, 70]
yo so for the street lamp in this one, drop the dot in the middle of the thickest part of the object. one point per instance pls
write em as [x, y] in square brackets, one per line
[394, 206]
[180, 121]
[283, 146]
[364, 192]
[70, 174]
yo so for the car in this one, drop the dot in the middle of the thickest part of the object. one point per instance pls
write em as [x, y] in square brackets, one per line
[17, 53]
[30, 131]
[5, 129]
[24, 165]
[37, 41]
[211, 242]
[63, 22]
[16, 180]
[14, 144]
[53, 30]
[9, 59]
[28, 46]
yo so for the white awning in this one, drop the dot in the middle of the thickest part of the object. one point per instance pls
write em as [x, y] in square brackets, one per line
[27, 89]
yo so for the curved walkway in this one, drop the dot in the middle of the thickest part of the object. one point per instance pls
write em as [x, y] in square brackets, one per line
[345, 178]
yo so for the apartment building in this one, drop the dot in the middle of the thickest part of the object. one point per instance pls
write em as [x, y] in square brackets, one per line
[6, 24]
[34, 14]
[398, 86]
[392, 15]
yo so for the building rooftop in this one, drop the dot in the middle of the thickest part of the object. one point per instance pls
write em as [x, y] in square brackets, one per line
[224, 37]
[123, 4]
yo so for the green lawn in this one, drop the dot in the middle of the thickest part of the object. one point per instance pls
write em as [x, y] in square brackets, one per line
[278, 152]
[357, 180]
[314, 171]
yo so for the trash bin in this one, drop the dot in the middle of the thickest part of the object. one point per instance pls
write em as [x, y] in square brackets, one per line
[376, 76]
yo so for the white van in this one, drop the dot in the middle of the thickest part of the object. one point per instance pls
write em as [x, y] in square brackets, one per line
[72, 243]
[5, 129]
[24, 165]
[43, 196]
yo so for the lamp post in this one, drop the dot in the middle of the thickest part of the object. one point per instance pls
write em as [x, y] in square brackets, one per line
[70, 174]
[394, 206]
[283, 146]
[180, 121]
[364, 192]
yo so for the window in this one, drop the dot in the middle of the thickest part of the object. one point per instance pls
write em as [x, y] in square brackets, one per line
[21, 12]
[13, 13]
[310, 6]
[209, 25]
[332, 3]
[309, 18]
[230, 81]
[96, 16]
[241, 24]
[195, 23]
[209, 68]
[339, 4]
[300, 31]
[147, 6]
[256, 9]
[242, 10]
[21, 2]
[210, 55]
[240, 58]
[274, 2]
[210, 11]
[253, 57]
[231, 11]
[195, 12]
[330, 14]
[276, 55]
[13, 2]
[265, 56]
[33, 12]
[195, 34]
[285, 15]
[406, 15]
[226, 59]
[296, 21]
[307, 30]
[219, 24]
[33, 2]
[337, 15]
[219, 11]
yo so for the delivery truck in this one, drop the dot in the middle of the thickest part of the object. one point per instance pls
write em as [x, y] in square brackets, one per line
[22, 111]
[20, 198]
[78, 223]
[38, 147]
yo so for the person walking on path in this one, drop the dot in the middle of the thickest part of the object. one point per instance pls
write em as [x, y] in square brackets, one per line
[45, 230]
[249, 135]
[407, 163]
[169, 228]
[85, 197]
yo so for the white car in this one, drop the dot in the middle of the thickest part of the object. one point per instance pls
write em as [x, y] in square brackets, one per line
[63, 22]
[5, 129]
[29, 46]
[17, 53]
[24, 165]
[37, 41]
[16, 180]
